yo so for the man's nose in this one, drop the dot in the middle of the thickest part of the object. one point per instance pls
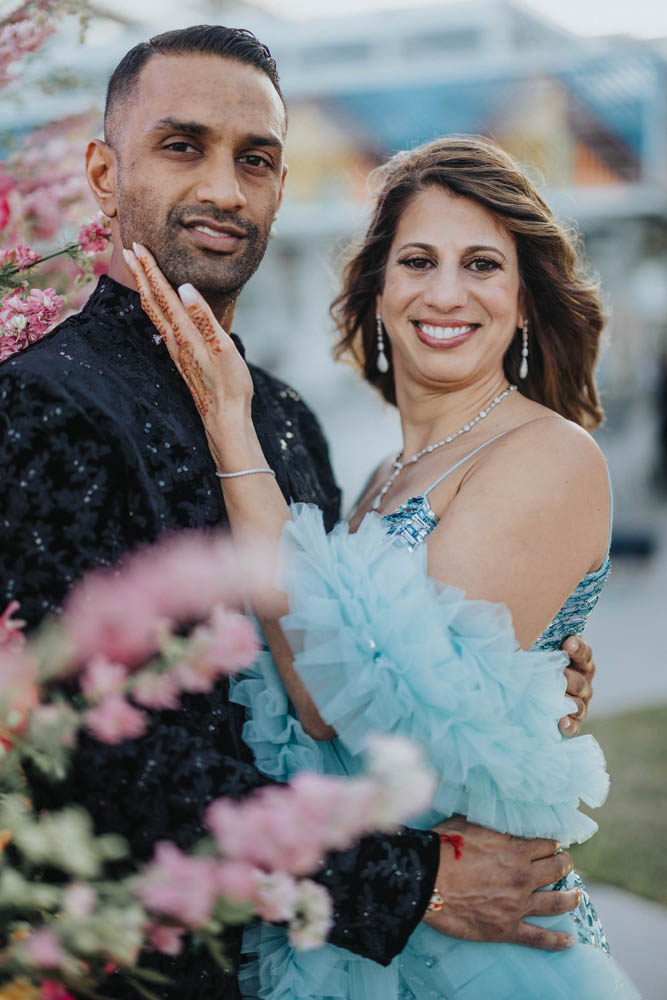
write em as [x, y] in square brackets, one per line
[219, 185]
[446, 289]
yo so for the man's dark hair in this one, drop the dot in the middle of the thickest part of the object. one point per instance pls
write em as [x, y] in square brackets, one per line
[204, 39]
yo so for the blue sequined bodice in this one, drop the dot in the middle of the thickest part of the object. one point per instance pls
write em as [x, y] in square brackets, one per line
[413, 522]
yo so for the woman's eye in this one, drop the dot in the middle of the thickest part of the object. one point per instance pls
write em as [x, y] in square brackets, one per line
[416, 263]
[483, 264]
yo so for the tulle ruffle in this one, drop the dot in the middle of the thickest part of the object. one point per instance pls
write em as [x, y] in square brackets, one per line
[382, 647]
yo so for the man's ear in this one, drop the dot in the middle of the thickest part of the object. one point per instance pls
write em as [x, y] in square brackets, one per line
[282, 191]
[101, 174]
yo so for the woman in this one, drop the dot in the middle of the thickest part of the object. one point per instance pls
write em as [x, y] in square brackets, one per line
[463, 288]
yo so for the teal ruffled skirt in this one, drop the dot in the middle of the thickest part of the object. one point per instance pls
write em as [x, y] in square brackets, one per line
[383, 648]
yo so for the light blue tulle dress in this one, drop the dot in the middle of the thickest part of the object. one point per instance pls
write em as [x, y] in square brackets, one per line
[383, 647]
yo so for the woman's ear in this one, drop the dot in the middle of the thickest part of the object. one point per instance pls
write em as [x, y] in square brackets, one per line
[101, 174]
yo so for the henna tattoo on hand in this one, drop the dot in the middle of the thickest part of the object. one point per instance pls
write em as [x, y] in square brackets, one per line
[154, 316]
[202, 321]
[154, 277]
[194, 377]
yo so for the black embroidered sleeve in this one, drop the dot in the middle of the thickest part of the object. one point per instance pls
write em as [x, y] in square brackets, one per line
[62, 495]
[380, 891]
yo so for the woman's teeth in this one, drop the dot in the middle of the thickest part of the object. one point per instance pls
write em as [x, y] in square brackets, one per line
[445, 332]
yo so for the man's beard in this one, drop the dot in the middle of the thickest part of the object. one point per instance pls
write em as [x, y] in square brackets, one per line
[219, 277]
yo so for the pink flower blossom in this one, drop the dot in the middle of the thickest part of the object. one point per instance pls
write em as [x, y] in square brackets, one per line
[20, 256]
[51, 990]
[18, 688]
[154, 690]
[114, 720]
[44, 949]
[25, 318]
[11, 629]
[229, 642]
[179, 886]
[5, 212]
[166, 939]
[101, 677]
[93, 238]
[238, 880]
[122, 613]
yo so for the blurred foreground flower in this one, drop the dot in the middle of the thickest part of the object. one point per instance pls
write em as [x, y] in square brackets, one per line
[122, 644]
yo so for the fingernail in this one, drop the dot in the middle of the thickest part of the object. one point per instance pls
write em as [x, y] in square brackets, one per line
[566, 724]
[569, 941]
[573, 645]
[580, 897]
[188, 294]
[139, 250]
[126, 255]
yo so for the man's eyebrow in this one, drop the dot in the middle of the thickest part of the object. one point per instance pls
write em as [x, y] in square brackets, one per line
[202, 131]
[178, 125]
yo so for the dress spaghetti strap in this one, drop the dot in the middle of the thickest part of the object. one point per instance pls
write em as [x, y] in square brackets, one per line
[461, 461]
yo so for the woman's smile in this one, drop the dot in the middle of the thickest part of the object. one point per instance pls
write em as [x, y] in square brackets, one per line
[444, 333]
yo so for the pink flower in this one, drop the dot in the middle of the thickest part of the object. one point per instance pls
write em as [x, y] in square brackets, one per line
[51, 990]
[114, 720]
[94, 237]
[4, 212]
[101, 678]
[238, 880]
[179, 886]
[290, 828]
[44, 949]
[18, 688]
[229, 642]
[25, 318]
[20, 255]
[121, 613]
[154, 690]
[166, 939]
[11, 633]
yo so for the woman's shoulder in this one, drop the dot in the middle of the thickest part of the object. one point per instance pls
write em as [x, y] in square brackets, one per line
[550, 445]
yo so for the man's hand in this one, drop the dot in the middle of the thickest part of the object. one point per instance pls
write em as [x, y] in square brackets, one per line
[492, 887]
[579, 683]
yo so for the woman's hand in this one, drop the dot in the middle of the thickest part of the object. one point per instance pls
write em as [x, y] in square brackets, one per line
[213, 370]
[579, 683]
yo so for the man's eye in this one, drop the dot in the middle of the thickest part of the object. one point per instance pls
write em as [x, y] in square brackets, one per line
[180, 147]
[483, 264]
[415, 263]
[255, 160]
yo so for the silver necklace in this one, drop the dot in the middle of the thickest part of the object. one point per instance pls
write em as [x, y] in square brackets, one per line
[399, 466]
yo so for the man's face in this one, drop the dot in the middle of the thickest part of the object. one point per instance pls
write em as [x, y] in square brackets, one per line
[200, 172]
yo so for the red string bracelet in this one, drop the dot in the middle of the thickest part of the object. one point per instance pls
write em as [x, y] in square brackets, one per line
[456, 840]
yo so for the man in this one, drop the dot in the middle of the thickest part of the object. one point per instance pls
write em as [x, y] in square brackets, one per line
[102, 449]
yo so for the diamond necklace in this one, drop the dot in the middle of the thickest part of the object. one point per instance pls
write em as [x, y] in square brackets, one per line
[399, 466]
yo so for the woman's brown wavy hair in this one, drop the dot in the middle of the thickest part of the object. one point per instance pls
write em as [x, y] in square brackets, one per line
[561, 301]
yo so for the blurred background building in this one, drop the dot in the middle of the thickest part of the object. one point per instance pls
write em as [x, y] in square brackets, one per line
[587, 116]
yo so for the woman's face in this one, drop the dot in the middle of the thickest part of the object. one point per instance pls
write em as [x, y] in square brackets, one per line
[450, 302]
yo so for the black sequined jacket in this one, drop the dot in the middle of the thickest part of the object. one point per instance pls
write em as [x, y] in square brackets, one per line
[102, 449]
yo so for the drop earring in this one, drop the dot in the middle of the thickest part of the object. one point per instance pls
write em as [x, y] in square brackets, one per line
[381, 361]
[523, 369]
